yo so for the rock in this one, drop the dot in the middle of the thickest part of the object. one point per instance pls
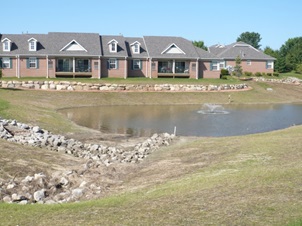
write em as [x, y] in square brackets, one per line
[39, 195]
[77, 193]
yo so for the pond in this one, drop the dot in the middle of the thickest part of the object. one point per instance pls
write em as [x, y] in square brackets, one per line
[189, 120]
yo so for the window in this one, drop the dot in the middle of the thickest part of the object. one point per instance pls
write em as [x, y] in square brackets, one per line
[50, 64]
[153, 66]
[96, 65]
[6, 62]
[249, 62]
[270, 64]
[112, 63]
[217, 65]
[221, 64]
[32, 46]
[6, 46]
[194, 67]
[214, 66]
[136, 65]
[32, 62]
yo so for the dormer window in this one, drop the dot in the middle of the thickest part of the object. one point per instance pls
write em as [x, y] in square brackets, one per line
[32, 44]
[136, 47]
[113, 46]
[6, 45]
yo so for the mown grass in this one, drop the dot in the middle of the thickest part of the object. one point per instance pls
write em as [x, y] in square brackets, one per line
[221, 181]
[243, 180]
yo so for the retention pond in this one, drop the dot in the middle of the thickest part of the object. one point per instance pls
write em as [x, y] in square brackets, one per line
[189, 120]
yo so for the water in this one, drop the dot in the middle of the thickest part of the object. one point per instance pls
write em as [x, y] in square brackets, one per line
[188, 119]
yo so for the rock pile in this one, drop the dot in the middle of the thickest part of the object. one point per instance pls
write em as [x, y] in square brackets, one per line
[288, 80]
[71, 185]
[79, 86]
[61, 187]
[24, 134]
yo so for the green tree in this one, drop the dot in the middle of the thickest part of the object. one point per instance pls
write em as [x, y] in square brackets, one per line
[200, 44]
[238, 67]
[269, 51]
[290, 54]
[251, 38]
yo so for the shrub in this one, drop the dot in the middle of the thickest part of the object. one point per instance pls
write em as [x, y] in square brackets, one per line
[224, 72]
[224, 77]
[247, 73]
[269, 74]
[276, 74]
[258, 74]
[263, 74]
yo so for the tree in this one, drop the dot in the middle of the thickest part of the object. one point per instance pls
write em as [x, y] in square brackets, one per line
[251, 38]
[269, 51]
[290, 54]
[200, 44]
[238, 67]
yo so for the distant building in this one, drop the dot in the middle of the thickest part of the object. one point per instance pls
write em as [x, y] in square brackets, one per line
[60, 54]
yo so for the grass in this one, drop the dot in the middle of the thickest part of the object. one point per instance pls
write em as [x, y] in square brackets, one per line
[242, 180]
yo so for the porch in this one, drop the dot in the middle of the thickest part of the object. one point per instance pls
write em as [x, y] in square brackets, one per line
[74, 74]
[173, 75]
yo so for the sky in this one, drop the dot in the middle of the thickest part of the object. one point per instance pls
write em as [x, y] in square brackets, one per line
[211, 21]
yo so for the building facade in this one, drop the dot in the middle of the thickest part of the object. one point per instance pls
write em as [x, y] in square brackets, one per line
[60, 54]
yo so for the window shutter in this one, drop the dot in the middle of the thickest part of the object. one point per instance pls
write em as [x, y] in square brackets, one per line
[141, 64]
[117, 63]
[108, 64]
[37, 63]
[211, 66]
[11, 62]
[266, 65]
[132, 68]
[27, 63]
[0, 62]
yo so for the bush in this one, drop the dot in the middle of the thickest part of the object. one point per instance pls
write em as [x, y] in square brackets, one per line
[247, 73]
[224, 77]
[224, 72]
[258, 74]
[263, 74]
[276, 74]
[269, 74]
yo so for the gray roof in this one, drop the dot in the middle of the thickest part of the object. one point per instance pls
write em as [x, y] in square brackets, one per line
[241, 49]
[121, 46]
[143, 50]
[157, 44]
[19, 44]
[89, 41]
[52, 43]
[205, 55]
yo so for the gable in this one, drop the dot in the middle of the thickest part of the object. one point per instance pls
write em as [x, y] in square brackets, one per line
[173, 49]
[73, 46]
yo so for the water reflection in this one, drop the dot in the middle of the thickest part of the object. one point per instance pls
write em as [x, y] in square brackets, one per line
[146, 120]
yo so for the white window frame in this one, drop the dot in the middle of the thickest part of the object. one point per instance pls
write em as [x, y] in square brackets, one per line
[270, 64]
[113, 47]
[32, 61]
[248, 62]
[6, 61]
[136, 64]
[6, 47]
[113, 61]
[218, 65]
[136, 48]
[32, 46]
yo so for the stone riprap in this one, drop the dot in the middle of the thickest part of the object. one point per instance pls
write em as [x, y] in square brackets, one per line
[288, 80]
[24, 134]
[79, 86]
[70, 186]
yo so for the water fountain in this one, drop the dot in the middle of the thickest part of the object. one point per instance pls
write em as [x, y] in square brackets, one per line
[208, 108]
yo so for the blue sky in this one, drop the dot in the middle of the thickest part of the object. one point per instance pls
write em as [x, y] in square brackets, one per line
[212, 21]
